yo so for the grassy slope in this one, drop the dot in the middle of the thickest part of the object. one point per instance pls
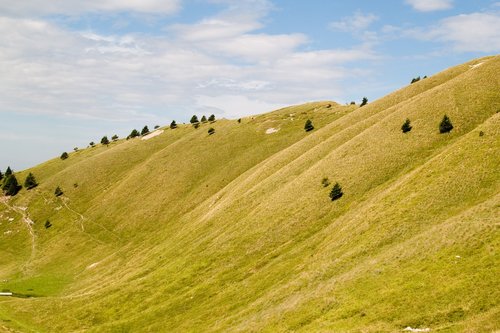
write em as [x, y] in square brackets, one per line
[234, 232]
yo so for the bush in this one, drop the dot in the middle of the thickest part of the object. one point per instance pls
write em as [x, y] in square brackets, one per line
[325, 182]
[157, 126]
[239, 121]
[336, 192]
[173, 124]
[91, 144]
[48, 224]
[196, 125]
[203, 119]
[415, 79]
[353, 103]
[211, 118]
[1, 175]
[105, 140]
[30, 182]
[364, 101]
[406, 126]
[445, 126]
[211, 131]
[145, 130]
[58, 192]
[64, 156]
[308, 125]
[114, 137]
[481, 133]
[194, 120]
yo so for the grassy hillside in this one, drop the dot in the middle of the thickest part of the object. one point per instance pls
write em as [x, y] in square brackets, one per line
[235, 232]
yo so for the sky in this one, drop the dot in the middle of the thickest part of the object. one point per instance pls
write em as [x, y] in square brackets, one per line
[72, 71]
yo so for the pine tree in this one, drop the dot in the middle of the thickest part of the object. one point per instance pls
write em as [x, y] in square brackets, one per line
[30, 182]
[364, 101]
[64, 156]
[194, 120]
[105, 140]
[211, 118]
[308, 125]
[114, 137]
[203, 119]
[173, 124]
[445, 126]
[10, 185]
[406, 126]
[58, 191]
[145, 130]
[336, 192]
[8, 172]
[211, 131]
[133, 134]
[1, 175]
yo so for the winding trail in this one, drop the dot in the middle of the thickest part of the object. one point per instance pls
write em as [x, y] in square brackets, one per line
[27, 221]
[82, 218]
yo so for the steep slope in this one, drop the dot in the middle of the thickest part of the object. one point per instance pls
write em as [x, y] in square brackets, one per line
[234, 231]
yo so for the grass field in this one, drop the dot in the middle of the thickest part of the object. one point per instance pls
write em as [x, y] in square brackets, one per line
[234, 232]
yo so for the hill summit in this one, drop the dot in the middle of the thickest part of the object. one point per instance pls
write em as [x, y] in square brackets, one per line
[371, 218]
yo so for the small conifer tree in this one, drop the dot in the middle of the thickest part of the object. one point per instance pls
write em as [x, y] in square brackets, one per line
[1, 175]
[145, 130]
[308, 125]
[173, 124]
[75, 149]
[203, 119]
[48, 224]
[211, 118]
[336, 192]
[194, 119]
[406, 126]
[134, 133]
[58, 192]
[30, 182]
[105, 140]
[364, 101]
[91, 144]
[445, 126]
[211, 131]
[10, 185]
[114, 137]
[64, 156]
[239, 121]
[8, 172]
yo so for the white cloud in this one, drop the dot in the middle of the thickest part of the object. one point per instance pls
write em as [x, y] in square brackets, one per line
[430, 5]
[354, 23]
[74, 7]
[476, 32]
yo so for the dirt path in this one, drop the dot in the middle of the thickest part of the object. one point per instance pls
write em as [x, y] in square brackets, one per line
[82, 218]
[27, 221]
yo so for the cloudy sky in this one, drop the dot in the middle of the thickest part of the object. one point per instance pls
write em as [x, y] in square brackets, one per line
[72, 71]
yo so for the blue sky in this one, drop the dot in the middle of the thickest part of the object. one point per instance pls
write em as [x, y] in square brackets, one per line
[72, 71]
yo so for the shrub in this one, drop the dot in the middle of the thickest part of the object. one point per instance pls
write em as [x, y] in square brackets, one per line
[1, 175]
[203, 119]
[239, 121]
[194, 120]
[48, 224]
[308, 126]
[105, 140]
[211, 118]
[336, 192]
[406, 126]
[64, 156]
[325, 182]
[114, 137]
[364, 101]
[145, 130]
[58, 192]
[353, 103]
[157, 126]
[173, 124]
[415, 79]
[445, 126]
[30, 182]
[481, 133]
[91, 144]
[196, 125]
[211, 131]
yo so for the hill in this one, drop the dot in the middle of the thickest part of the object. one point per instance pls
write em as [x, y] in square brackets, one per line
[234, 231]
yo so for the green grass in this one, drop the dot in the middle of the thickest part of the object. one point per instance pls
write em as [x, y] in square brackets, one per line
[235, 232]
